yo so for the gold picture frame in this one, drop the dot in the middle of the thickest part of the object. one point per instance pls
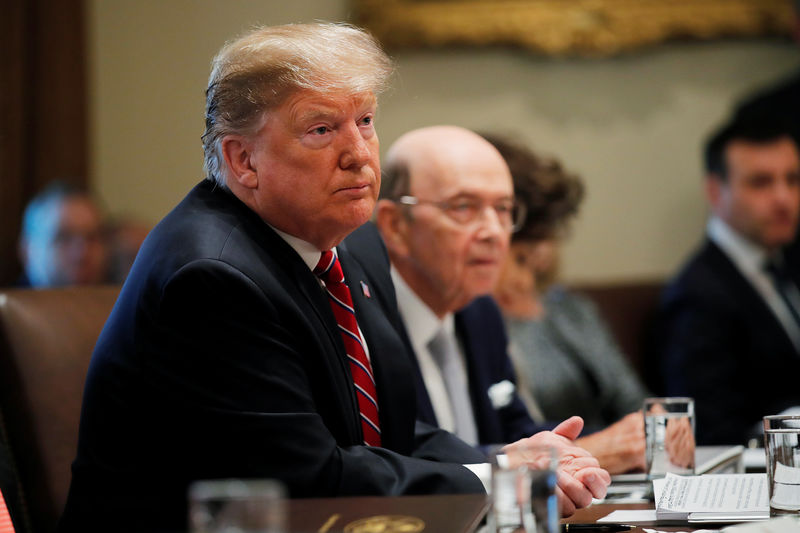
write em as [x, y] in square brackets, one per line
[568, 27]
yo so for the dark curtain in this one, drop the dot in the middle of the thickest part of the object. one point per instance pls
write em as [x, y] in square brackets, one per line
[43, 122]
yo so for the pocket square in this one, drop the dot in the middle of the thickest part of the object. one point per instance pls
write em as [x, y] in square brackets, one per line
[501, 394]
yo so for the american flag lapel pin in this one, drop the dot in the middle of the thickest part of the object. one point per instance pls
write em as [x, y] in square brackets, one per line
[365, 289]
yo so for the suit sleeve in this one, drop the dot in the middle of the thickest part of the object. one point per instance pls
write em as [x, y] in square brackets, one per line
[245, 372]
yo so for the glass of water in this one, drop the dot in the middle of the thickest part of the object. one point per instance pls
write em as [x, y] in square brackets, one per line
[782, 446]
[669, 435]
[237, 506]
[523, 490]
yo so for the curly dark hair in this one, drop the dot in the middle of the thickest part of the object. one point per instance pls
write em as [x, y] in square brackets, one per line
[551, 194]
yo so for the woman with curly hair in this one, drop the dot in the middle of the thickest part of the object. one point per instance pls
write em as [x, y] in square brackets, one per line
[566, 359]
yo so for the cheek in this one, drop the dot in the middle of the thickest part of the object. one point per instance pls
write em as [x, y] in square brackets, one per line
[440, 253]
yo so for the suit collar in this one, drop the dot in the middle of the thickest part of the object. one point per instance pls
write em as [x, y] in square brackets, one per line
[741, 292]
[745, 254]
[307, 251]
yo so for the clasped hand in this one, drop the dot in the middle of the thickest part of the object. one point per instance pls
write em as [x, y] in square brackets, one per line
[579, 476]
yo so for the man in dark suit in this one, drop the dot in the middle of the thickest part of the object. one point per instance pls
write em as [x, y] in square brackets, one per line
[447, 233]
[729, 333]
[446, 214]
[247, 340]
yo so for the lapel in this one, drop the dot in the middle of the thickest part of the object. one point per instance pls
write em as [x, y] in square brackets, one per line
[314, 304]
[473, 334]
[748, 298]
[388, 355]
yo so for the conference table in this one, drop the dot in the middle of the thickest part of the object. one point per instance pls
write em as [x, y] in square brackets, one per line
[435, 514]
[465, 513]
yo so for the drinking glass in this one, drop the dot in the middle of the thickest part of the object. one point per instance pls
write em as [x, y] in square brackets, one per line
[523, 490]
[782, 447]
[669, 434]
[237, 506]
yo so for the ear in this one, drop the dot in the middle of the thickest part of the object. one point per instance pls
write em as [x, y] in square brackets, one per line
[393, 226]
[714, 186]
[237, 151]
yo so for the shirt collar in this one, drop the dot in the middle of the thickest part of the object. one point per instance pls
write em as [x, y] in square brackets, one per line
[421, 322]
[747, 255]
[309, 253]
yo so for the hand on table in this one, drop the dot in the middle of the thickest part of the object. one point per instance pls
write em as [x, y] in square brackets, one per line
[620, 447]
[679, 442]
[579, 476]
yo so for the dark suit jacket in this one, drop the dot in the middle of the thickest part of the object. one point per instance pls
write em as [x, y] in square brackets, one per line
[222, 359]
[721, 344]
[482, 332]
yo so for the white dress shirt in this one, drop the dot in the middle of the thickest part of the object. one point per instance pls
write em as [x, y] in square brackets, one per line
[422, 325]
[750, 258]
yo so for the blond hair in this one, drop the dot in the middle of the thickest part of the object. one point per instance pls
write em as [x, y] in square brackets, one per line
[258, 71]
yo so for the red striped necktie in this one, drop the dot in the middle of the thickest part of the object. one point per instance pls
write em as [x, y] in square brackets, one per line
[330, 271]
[5, 519]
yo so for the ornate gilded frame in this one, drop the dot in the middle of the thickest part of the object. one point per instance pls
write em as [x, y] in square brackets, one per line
[568, 27]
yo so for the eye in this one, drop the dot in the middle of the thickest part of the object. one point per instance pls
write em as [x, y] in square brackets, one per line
[463, 211]
[320, 130]
[463, 206]
[367, 121]
[504, 207]
[760, 181]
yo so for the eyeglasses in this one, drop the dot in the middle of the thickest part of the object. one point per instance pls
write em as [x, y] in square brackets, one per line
[466, 210]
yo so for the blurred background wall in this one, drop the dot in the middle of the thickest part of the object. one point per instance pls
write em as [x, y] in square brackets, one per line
[632, 125]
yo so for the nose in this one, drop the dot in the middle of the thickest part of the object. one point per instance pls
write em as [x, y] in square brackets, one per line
[787, 192]
[355, 150]
[490, 226]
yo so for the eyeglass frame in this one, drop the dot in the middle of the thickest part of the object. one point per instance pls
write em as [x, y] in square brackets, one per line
[446, 206]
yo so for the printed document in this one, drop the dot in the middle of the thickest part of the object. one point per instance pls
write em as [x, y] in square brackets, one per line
[712, 497]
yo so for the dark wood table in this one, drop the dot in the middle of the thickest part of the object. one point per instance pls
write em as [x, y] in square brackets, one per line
[438, 514]
[461, 513]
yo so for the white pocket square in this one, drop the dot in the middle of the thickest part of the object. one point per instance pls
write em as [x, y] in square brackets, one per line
[501, 394]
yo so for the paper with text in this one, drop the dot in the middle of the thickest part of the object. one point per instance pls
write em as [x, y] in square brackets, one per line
[719, 497]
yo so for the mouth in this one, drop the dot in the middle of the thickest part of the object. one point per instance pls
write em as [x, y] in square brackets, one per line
[357, 190]
[484, 261]
[357, 187]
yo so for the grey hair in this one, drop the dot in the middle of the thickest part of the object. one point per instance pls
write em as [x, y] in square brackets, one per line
[255, 74]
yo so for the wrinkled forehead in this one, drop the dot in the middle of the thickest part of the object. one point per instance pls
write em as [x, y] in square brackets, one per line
[469, 168]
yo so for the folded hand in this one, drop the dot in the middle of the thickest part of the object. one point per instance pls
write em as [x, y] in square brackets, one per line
[579, 476]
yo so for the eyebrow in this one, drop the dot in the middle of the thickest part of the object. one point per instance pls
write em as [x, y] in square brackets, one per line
[477, 196]
[326, 112]
[313, 115]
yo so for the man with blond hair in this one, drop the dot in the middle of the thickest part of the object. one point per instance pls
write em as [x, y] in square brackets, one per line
[248, 341]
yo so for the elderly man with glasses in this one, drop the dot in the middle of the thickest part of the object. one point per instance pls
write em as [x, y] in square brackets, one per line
[446, 214]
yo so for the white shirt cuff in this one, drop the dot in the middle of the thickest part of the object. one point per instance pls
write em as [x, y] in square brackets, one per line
[483, 471]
